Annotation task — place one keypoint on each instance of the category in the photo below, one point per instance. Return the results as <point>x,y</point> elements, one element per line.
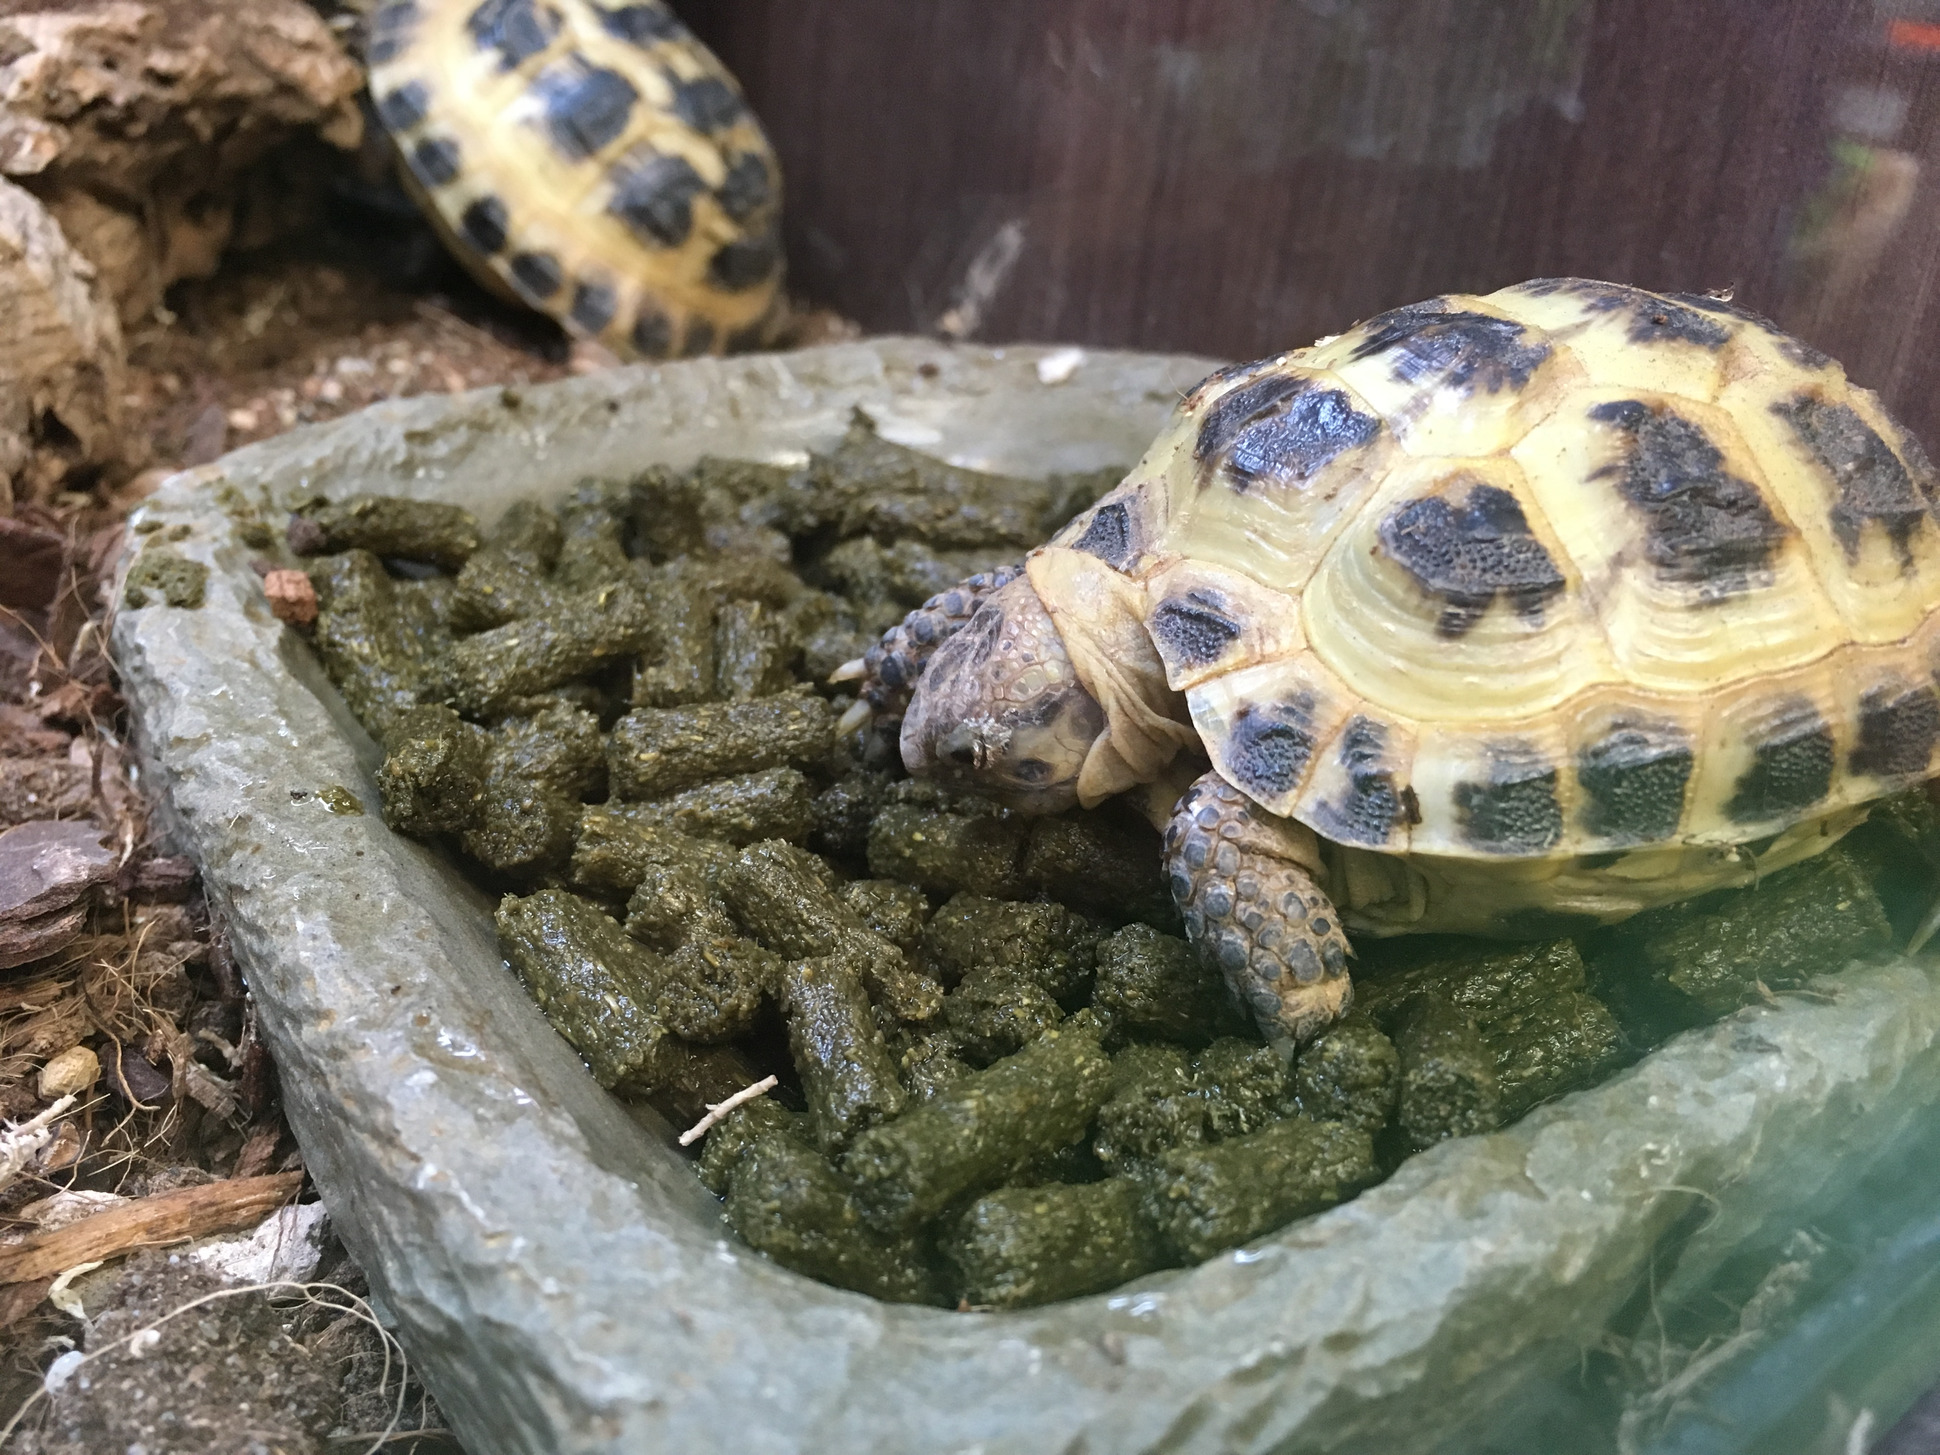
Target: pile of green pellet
<point>1004,1078</point>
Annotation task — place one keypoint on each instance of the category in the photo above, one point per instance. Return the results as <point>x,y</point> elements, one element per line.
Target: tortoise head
<point>999,708</point>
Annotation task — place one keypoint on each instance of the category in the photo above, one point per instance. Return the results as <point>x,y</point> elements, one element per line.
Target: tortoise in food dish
<point>591,158</point>
<point>1497,615</point>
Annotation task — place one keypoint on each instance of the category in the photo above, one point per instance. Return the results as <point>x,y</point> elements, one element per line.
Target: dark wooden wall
<point>1239,176</point>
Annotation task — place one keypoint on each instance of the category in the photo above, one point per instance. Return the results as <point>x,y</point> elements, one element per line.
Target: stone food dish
<point>558,1271</point>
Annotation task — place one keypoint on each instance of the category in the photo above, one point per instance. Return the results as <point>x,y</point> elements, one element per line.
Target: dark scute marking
<point>404,108</point>
<point>483,225</point>
<point>585,106</point>
<point>1791,765</point>
<point>593,306</point>
<point>1270,745</point>
<point>1802,353</point>
<point>1196,395</point>
<point>654,196</point>
<point>1873,485</point>
<point>1108,536</point>
<point>640,24</point>
<point>745,263</point>
<point>1706,527</point>
<point>1431,344</point>
<point>1236,409</point>
<point>435,160</point>
<point>1634,779</point>
<point>1898,726</point>
<point>1366,812</point>
<point>516,29</point>
<point>745,189</point>
<point>1514,810</point>
<point>1291,443</point>
<point>699,340</point>
<point>1471,552</point>
<point>653,333</point>
<point>1652,317</point>
<point>539,274</point>
<point>1915,455</point>
<point>1795,349</point>
<point>1192,630</point>
<point>708,104</point>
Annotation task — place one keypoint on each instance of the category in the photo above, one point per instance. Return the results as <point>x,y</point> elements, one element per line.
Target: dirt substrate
<point>124,984</point>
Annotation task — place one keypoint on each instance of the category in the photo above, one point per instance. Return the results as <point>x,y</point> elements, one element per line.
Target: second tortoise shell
<point>592,158</point>
<point>1567,569</point>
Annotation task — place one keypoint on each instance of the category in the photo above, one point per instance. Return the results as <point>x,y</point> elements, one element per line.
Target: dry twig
<point>718,1109</point>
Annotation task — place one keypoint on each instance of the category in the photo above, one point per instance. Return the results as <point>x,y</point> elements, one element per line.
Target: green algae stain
<point>160,573</point>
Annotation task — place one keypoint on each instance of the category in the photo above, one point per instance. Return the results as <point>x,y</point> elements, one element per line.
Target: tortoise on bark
<point>1499,615</point>
<point>592,159</point>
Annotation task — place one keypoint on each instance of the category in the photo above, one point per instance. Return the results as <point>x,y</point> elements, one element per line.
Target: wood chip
<point>24,941</point>
<point>47,866</point>
<point>174,1217</point>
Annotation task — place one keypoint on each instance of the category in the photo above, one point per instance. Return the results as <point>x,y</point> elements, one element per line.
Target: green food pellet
<point>1448,1078</point>
<point>848,1078</point>
<point>739,1130</point>
<point>945,852</point>
<point>385,525</point>
<point>777,803</point>
<point>973,1133</point>
<point>569,965</point>
<point>1351,1073</point>
<point>1217,1196</point>
<point>895,911</point>
<point>787,1202</point>
<point>656,751</point>
<point>1152,1107</point>
<point>1044,943</point>
<point>1157,984</point>
<point>339,799</point>
<point>432,780</point>
<point>578,634</point>
<point>613,852</point>
<point>1031,1245</point>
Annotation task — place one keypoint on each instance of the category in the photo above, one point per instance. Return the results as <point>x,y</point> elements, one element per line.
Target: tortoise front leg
<point>1243,880</point>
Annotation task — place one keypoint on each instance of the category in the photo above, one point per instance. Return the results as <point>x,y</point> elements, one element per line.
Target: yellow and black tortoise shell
<point>1566,569</point>
<point>595,159</point>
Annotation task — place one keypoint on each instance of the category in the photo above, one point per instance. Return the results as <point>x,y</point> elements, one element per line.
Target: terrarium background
<point>1236,177</point>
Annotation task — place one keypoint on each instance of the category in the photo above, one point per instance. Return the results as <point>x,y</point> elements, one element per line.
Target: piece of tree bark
<point>193,1212</point>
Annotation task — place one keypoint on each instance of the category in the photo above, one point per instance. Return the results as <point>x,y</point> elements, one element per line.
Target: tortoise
<point>1495,615</point>
<point>590,158</point>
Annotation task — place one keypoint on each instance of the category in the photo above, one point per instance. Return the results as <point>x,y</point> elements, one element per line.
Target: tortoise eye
<point>963,753</point>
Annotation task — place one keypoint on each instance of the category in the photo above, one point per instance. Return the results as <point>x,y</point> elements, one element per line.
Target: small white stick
<point>20,1144</point>
<point>717,1110</point>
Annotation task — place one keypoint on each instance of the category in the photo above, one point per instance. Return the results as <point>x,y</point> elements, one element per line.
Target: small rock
<point>286,1246</point>
<point>292,599</point>
<point>70,1073</point>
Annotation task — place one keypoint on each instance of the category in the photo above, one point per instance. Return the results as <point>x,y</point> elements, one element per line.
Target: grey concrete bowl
<point>557,1270</point>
